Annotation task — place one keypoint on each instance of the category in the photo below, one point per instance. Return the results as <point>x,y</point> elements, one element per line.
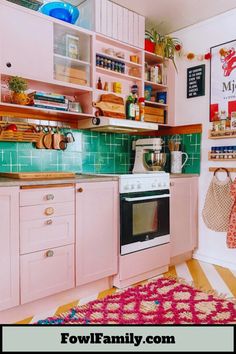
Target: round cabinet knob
<point>49,197</point>
<point>49,253</point>
<point>49,211</point>
<point>8,64</point>
<point>172,184</point>
<point>48,222</point>
<point>80,190</point>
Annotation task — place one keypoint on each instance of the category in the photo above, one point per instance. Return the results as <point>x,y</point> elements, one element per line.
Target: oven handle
<point>147,198</point>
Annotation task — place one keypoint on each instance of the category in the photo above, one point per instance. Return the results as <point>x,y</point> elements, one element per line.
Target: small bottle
<point>97,60</point>
<point>99,84</point>
<point>230,152</point>
<point>217,151</point>
<point>106,87</point>
<point>137,109</point>
<point>141,102</point>
<point>130,108</point>
<point>234,152</point>
<point>213,152</point>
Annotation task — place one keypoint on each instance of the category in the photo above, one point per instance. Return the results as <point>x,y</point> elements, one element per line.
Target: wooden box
<point>154,118</point>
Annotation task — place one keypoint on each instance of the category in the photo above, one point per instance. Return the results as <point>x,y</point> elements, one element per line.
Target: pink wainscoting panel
<point>9,247</point>
<point>37,235</point>
<point>43,274</point>
<point>97,231</point>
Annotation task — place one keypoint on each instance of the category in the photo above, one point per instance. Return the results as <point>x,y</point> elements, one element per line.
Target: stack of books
<point>50,101</point>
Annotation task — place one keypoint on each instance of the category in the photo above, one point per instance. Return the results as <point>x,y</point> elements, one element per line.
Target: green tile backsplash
<point>91,152</point>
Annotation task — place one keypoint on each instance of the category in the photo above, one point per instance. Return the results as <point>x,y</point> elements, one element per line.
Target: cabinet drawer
<point>42,211</point>
<point>37,235</point>
<point>47,196</point>
<point>46,273</point>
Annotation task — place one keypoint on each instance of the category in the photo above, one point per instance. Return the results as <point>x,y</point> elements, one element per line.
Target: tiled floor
<point>204,275</point>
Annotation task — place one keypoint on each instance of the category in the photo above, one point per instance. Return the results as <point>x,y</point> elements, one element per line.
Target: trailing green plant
<point>17,84</point>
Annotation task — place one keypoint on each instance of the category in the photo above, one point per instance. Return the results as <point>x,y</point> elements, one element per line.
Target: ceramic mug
<point>176,161</point>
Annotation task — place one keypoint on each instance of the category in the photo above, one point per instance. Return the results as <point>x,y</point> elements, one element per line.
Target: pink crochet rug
<point>164,301</point>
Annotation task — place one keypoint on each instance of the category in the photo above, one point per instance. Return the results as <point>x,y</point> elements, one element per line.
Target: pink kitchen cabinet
<point>183,215</point>
<point>46,272</point>
<point>96,231</point>
<point>9,248</point>
<point>26,43</point>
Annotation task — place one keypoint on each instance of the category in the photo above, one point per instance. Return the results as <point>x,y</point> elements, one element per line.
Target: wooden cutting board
<point>37,175</point>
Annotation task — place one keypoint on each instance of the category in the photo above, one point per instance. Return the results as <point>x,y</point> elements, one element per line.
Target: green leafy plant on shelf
<point>165,46</point>
<point>17,85</point>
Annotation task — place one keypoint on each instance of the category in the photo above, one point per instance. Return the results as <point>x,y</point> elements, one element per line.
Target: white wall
<point>198,39</point>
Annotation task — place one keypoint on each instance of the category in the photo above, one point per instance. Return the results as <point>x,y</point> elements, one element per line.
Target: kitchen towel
<point>231,235</point>
<point>218,205</point>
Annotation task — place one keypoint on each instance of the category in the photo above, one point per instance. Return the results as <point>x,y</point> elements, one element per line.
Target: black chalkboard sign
<point>196,81</point>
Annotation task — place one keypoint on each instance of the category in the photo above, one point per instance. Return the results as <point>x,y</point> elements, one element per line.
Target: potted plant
<point>17,85</point>
<point>150,41</point>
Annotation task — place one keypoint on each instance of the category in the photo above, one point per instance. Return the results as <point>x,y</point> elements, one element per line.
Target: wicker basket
<point>30,4</point>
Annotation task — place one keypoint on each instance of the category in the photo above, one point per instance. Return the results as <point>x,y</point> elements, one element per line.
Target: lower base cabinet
<point>183,215</point>
<point>46,273</point>
<point>96,231</point>
<point>9,247</point>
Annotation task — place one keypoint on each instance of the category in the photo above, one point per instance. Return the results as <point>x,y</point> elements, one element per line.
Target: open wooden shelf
<point>14,110</point>
<point>226,157</point>
<point>151,103</point>
<point>127,62</point>
<point>223,135</point>
<point>116,74</point>
<point>152,58</point>
<point>156,86</point>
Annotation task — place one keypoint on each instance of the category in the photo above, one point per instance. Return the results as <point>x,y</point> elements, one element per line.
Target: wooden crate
<point>154,118</point>
<point>154,111</point>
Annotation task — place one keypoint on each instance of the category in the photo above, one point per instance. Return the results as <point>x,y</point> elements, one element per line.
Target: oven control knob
<point>159,184</point>
<point>154,185</point>
<point>139,186</point>
<point>132,186</point>
<point>126,187</point>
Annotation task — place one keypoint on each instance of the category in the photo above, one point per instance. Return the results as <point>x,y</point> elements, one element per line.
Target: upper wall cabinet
<point>26,44</point>
<point>114,21</point>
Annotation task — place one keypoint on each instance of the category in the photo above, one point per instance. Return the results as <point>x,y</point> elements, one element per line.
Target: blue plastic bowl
<point>61,10</point>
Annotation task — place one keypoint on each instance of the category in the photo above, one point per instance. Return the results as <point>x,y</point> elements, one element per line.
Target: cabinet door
<point>96,231</point>
<point>9,248</point>
<point>26,44</point>
<point>183,215</point>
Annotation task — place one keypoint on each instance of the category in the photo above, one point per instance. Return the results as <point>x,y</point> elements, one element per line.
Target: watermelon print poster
<point>223,81</point>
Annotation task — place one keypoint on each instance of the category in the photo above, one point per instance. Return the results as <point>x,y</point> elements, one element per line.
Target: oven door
<point>145,220</point>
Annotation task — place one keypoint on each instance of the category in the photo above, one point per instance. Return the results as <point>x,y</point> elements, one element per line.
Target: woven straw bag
<point>218,204</point>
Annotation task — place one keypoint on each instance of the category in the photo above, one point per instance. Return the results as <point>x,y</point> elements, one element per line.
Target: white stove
<point>133,183</point>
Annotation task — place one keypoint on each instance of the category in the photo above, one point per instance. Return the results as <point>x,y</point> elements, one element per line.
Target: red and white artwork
<point>223,80</point>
